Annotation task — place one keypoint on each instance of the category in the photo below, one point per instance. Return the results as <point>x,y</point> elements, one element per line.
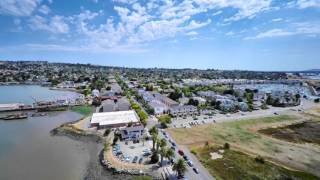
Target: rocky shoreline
<point>97,168</point>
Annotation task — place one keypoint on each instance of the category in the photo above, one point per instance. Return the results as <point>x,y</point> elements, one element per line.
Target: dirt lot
<point>243,136</point>
<point>305,132</point>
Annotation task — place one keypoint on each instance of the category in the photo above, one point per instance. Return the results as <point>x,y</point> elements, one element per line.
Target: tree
<point>170,153</point>
<point>164,120</point>
<point>149,88</point>
<point>162,143</point>
<point>162,153</point>
<point>180,167</point>
<point>153,130</point>
<point>115,140</point>
<point>154,157</point>
<point>86,92</point>
<point>193,102</point>
<point>175,95</point>
<point>154,140</point>
<point>158,142</point>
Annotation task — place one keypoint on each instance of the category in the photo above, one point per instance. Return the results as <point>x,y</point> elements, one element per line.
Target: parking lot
<point>130,152</point>
<point>188,121</point>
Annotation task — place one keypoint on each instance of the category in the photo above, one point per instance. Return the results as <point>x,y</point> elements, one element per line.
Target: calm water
<point>27,151</point>
<point>26,94</point>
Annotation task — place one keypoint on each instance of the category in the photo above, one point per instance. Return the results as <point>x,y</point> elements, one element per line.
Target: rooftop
<point>111,118</point>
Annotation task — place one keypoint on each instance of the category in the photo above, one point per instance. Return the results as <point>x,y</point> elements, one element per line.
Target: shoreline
<point>97,167</point>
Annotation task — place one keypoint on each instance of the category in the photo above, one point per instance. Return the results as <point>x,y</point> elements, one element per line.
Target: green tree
<point>154,157</point>
<point>154,140</point>
<point>153,130</point>
<point>170,153</point>
<point>180,167</point>
<point>163,152</point>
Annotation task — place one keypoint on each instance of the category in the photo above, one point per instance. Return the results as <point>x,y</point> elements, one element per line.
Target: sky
<point>268,35</point>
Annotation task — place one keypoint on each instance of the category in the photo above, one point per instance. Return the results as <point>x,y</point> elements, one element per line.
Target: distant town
<point>172,123</point>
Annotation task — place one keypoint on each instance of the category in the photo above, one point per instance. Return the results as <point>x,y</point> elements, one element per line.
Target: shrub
<point>259,159</point>
<point>193,152</point>
<point>107,132</point>
<point>154,157</point>
<point>115,140</point>
<point>226,146</point>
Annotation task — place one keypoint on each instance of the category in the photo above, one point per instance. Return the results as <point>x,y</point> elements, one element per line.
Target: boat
<point>15,116</point>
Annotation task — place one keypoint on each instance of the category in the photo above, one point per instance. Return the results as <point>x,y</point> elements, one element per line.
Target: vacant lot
<point>243,136</point>
<point>305,132</point>
<point>237,165</point>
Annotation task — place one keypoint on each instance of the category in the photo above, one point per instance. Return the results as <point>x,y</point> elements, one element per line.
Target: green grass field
<point>243,136</point>
<point>84,109</point>
<point>237,165</point>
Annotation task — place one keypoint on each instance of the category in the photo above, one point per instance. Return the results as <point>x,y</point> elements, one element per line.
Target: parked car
<point>185,157</point>
<point>173,148</point>
<point>135,159</point>
<point>196,170</point>
<point>172,161</point>
<point>173,144</point>
<point>180,177</point>
<point>189,162</point>
<point>140,160</point>
<point>181,152</point>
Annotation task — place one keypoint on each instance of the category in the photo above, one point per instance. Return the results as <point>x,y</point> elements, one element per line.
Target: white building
<point>114,119</point>
<point>95,93</point>
<point>133,132</point>
<point>183,110</point>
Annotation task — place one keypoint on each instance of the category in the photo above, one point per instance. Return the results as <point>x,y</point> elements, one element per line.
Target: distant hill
<point>313,70</point>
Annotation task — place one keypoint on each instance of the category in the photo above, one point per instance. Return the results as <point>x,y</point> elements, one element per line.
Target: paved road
<point>190,174</point>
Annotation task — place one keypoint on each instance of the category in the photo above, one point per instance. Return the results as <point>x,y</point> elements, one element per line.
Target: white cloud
<point>308,3</point>
<point>246,8</point>
<point>56,24</point>
<point>17,22</point>
<point>191,33</point>
<point>18,7</point>
<point>271,33</point>
<point>230,33</point>
<point>276,19</point>
<point>44,9</point>
<point>217,13</point>
<point>310,29</point>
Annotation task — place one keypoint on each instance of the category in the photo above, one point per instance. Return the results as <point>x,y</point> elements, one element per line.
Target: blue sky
<point>220,34</point>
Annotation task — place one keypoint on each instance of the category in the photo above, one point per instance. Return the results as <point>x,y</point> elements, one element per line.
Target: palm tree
<point>180,167</point>
<point>163,153</point>
<point>154,140</point>
<point>162,143</point>
<point>144,136</point>
<point>153,130</point>
<point>159,143</point>
<point>170,153</point>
